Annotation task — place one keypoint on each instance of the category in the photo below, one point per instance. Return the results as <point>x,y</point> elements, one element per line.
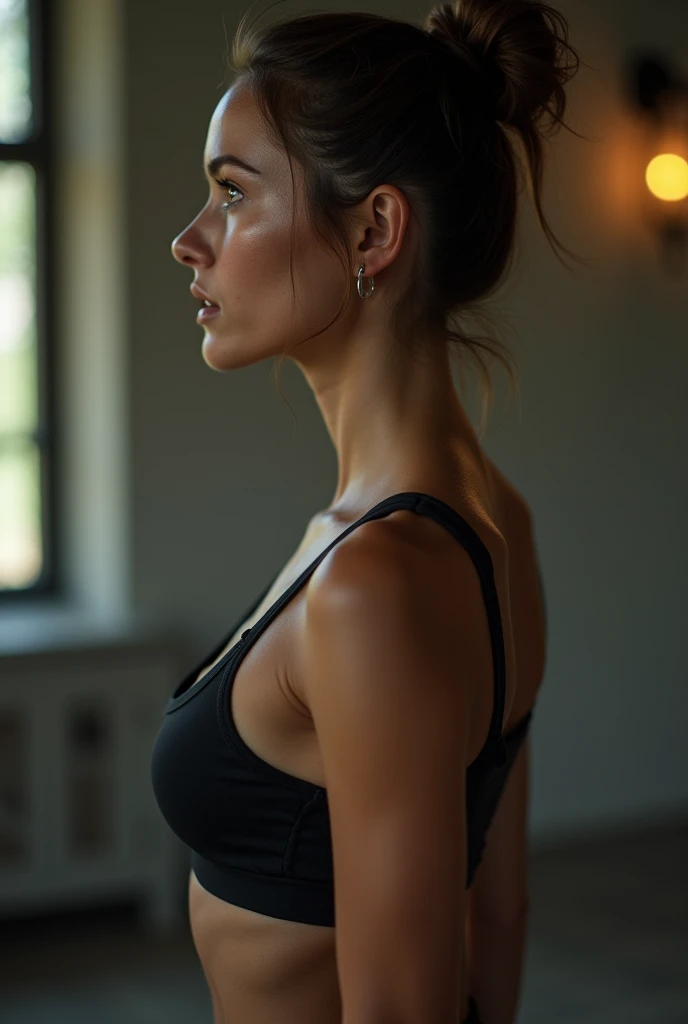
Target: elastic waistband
<point>289,898</point>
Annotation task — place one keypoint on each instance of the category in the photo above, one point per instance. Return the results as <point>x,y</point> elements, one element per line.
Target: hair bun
<point>450,25</point>
<point>514,47</point>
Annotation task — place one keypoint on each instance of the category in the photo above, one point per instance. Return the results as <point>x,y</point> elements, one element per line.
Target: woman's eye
<point>229,185</point>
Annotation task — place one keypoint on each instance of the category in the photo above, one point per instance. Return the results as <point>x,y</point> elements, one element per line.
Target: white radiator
<point>78,819</point>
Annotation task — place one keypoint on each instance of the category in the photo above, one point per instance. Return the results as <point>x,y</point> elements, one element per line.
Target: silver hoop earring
<point>360,279</point>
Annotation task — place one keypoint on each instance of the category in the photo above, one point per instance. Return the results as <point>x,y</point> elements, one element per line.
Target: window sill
<point>50,626</point>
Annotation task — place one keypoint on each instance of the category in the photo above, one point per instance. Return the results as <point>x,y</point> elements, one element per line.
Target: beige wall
<point>221,489</point>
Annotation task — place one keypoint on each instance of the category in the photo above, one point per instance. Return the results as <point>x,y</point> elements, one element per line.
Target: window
<point>27,341</point>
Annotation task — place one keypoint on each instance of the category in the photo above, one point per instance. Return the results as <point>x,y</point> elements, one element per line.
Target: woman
<point>335,762</point>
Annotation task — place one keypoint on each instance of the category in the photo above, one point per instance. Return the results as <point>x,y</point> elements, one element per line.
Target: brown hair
<point>359,99</point>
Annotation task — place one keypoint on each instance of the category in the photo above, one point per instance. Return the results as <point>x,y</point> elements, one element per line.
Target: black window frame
<point>38,151</point>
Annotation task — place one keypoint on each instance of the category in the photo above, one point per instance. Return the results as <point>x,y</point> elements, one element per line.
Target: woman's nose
<point>182,249</point>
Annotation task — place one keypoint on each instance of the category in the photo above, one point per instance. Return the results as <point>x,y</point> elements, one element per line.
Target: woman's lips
<point>206,313</point>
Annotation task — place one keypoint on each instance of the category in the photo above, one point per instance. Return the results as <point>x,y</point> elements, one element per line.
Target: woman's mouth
<point>206,313</point>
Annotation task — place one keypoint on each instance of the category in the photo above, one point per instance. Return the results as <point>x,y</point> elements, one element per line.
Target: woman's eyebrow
<point>217,162</point>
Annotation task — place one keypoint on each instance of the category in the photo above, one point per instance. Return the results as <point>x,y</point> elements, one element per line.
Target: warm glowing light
<point>667,177</point>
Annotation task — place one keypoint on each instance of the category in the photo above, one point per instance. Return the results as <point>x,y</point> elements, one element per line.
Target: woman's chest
<point>266,698</point>
<point>263,699</point>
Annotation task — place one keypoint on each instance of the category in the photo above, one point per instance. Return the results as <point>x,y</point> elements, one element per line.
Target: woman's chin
<point>220,355</point>
<point>215,354</point>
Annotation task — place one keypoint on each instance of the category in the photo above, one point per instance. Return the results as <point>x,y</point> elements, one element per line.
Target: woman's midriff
<point>263,969</point>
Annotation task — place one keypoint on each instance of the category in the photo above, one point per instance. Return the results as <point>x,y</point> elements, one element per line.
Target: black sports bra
<point>260,837</point>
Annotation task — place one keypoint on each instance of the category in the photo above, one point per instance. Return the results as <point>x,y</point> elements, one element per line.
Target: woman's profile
<point>349,765</point>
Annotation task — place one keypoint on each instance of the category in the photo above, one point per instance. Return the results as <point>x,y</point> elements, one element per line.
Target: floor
<point>608,944</point>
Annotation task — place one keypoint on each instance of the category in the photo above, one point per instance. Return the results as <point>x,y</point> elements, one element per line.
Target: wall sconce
<point>661,98</point>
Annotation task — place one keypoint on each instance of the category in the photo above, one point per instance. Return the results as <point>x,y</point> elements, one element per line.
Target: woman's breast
<point>261,969</point>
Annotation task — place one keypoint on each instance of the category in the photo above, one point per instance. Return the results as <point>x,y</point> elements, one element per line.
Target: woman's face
<point>238,246</point>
